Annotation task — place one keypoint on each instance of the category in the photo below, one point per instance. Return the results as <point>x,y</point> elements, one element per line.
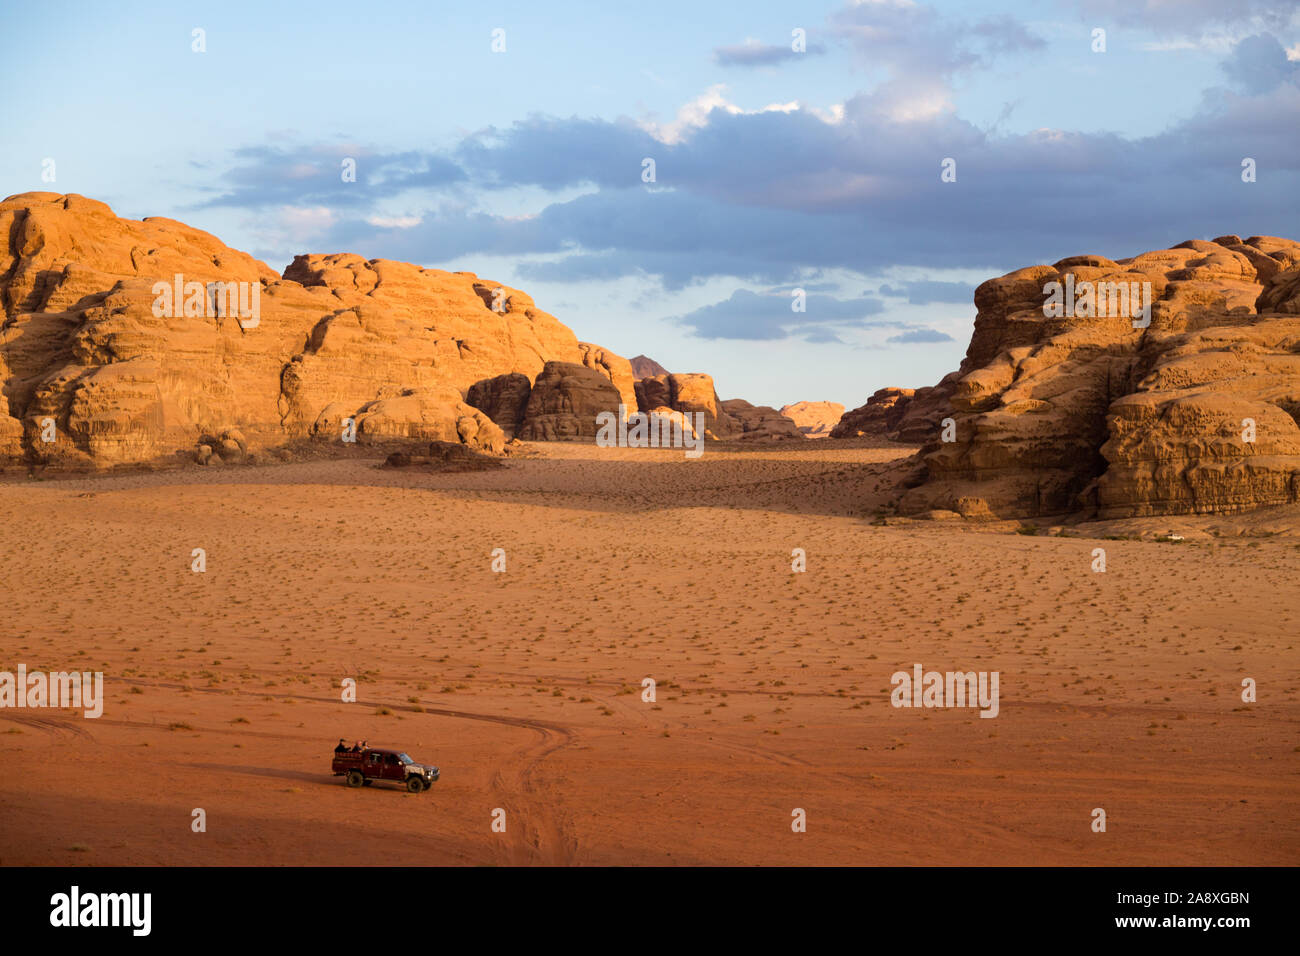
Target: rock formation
<point>662,414</point>
<point>814,419</point>
<point>105,358</point>
<point>879,417</point>
<point>565,400</point>
<point>759,422</point>
<point>734,419</point>
<point>1101,413</point>
<point>434,413</point>
<point>503,399</point>
<point>654,392</point>
<point>444,456</point>
<point>613,367</point>
<point>687,393</point>
<point>660,391</point>
<point>509,399</point>
<point>909,415</point>
<point>694,392</point>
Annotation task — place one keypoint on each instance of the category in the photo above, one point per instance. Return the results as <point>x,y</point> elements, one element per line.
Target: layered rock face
<point>613,367</point>
<point>688,393</point>
<point>879,417</point>
<point>503,398</point>
<point>1054,413</point>
<point>814,419</point>
<point>1213,427</point>
<point>565,401</point>
<point>654,392</point>
<point>759,422</point>
<point>92,357</point>
<point>435,413</point>
<point>909,415</point>
<point>694,392</point>
<point>732,420</point>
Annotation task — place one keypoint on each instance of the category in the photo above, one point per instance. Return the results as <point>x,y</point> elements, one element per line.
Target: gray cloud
<point>759,54</point>
<point>554,153</point>
<point>925,291</point>
<point>266,176</point>
<point>1187,16</point>
<point>1259,64</point>
<point>769,198</point>
<point>764,197</point>
<point>914,40</point>
<point>768,315</point>
<point>919,336</point>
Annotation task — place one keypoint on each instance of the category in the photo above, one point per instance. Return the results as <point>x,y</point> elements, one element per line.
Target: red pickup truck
<point>363,767</point>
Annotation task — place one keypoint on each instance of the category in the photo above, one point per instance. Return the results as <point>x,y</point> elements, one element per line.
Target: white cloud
<point>294,228</point>
<point>303,222</point>
<point>904,105</point>
<point>832,116</point>
<point>1216,41</point>
<point>1168,46</point>
<point>695,114</point>
<point>394,222</point>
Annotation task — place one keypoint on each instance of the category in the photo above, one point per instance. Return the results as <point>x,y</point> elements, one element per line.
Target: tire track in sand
<point>55,726</point>
<point>548,835</point>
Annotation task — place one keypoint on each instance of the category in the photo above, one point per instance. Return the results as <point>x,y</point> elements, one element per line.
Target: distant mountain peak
<point>645,367</point>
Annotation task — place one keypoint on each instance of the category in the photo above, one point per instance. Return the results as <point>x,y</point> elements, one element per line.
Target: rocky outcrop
<point>678,420</point>
<point>102,351</point>
<point>503,398</point>
<point>734,419</point>
<point>444,456</point>
<point>654,392</point>
<point>688,393</point>
<point>435,413</point>
<point>694,392</point>
<point>759,422</point>
<point>1095,410</point>
<point>565,400</point>
<point>1214,426</point>
<point>614,367</point>
<point>878,418</point>
<point>814,419</point>
<point>911,415</point>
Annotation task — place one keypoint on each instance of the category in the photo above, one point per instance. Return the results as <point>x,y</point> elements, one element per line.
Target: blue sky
<point>774,170</point>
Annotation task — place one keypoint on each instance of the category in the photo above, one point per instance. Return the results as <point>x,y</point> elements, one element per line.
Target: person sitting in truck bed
<point>342,748</point>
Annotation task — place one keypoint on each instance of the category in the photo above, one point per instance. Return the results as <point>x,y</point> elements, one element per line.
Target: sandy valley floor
<point>1118,690</point>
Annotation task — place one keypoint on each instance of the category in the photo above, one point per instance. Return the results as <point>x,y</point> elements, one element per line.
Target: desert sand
<point>1119,690</point>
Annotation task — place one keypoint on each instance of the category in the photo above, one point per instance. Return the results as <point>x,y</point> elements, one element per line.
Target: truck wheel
<point>355,778</point>
<point>414,784</point>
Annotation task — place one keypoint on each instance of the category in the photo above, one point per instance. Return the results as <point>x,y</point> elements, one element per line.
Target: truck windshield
<point>404,759</point>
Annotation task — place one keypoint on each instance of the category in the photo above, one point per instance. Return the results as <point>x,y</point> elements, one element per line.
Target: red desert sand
<point>1119,690</point>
